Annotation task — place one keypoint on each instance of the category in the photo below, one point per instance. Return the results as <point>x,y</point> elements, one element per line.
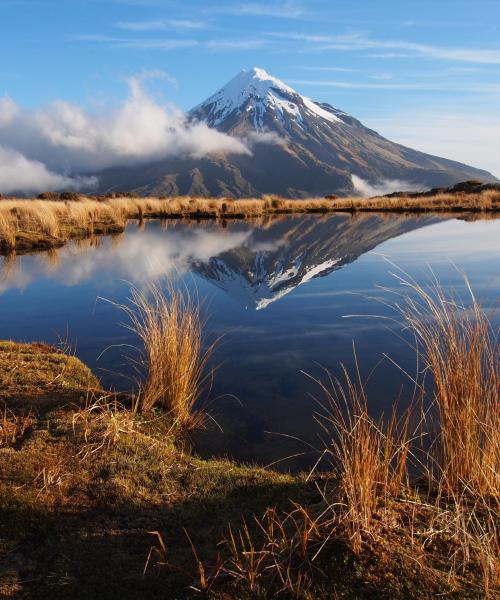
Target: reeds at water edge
<point>175,353</point>
<point>26,223</point>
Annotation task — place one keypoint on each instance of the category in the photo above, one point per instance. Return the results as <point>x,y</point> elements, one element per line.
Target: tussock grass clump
<point>31,224</point>
<point>175,356</point>
<point>282,554</point>
<point>368,457</point>
<point>270,556</point>
<point>466,526</point>
<point>462,358</point>
<point>7,233</point>
<point>460,351</point>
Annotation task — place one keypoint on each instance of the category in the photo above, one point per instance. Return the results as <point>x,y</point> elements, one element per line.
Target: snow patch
<point>265,302</point>
<point>320,112</point>
<point>316,270</point>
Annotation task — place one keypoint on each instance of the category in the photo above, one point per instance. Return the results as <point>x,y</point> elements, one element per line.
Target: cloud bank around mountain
<point>55,146</point>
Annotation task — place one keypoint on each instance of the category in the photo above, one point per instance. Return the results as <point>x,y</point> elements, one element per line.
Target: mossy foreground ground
<point>83,485</point>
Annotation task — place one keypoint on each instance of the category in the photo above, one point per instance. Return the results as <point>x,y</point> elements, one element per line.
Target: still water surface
<point>289,295</point>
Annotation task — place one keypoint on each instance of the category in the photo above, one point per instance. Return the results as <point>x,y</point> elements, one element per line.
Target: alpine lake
<point>292,299</point>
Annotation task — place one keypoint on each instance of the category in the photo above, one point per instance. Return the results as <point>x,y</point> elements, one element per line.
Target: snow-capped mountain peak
<point>256,82</point>
<point>258,96</point>
<point>298,147</point>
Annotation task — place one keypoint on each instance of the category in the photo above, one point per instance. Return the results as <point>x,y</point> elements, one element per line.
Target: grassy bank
<point>83,481</point>
<point>100,499</point>
<point>26,225</point>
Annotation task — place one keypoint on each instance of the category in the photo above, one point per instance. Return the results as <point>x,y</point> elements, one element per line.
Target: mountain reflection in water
<point>255,263</point>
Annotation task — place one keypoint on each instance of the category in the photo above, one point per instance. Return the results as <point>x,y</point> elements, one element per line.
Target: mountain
<point>286,253</point>
<point>299,148</point>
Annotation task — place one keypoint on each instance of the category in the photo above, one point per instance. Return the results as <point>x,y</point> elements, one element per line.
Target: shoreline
<point>28,225</point>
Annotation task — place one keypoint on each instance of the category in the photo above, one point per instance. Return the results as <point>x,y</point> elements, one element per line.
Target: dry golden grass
<point>460,350</point>
<point>470,525</point>
<point>462,358</point>
<point>7,230</point>
<point>14,426</point>
<point>27,224</point>
<point>175,356</point>
<point>282,553</point>
<point>368,457</point>
<point>271,556</point>
<point>101,421</point>
<point>484,201</point>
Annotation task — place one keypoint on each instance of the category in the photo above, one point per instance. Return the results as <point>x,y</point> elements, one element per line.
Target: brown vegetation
<point>88,478</point>
<point>444,534</point>
<point>91,474</point>
<point>33,373</point>
<point>170,327</point>
<point>461,352</point>
<point>368,457</point>
<point>29,224</point>
<point>13,426</point>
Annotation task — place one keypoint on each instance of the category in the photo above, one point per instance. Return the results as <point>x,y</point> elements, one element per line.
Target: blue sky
<point>426,73</point>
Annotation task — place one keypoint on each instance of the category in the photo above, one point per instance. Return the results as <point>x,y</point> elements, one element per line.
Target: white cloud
<point>161,44</point>
<point>332,69</point>
<point>157,74</point>
<point>488,57</point>
<point>389,55</point>
<point>138,43</point>
<point>264,137</point>
<point>382,76</point>
<point>382,187</point>
<point>18,174</point>
<point>225,44</point>
<point>8,110</point>
<point>62,138</point>
<point>173,44</point>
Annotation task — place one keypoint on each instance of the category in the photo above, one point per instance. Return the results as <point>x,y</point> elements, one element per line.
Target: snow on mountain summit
<point>258,82</point>
<point>256,94</point>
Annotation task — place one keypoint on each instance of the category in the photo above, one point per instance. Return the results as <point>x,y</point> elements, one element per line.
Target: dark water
<point>290,296</point>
